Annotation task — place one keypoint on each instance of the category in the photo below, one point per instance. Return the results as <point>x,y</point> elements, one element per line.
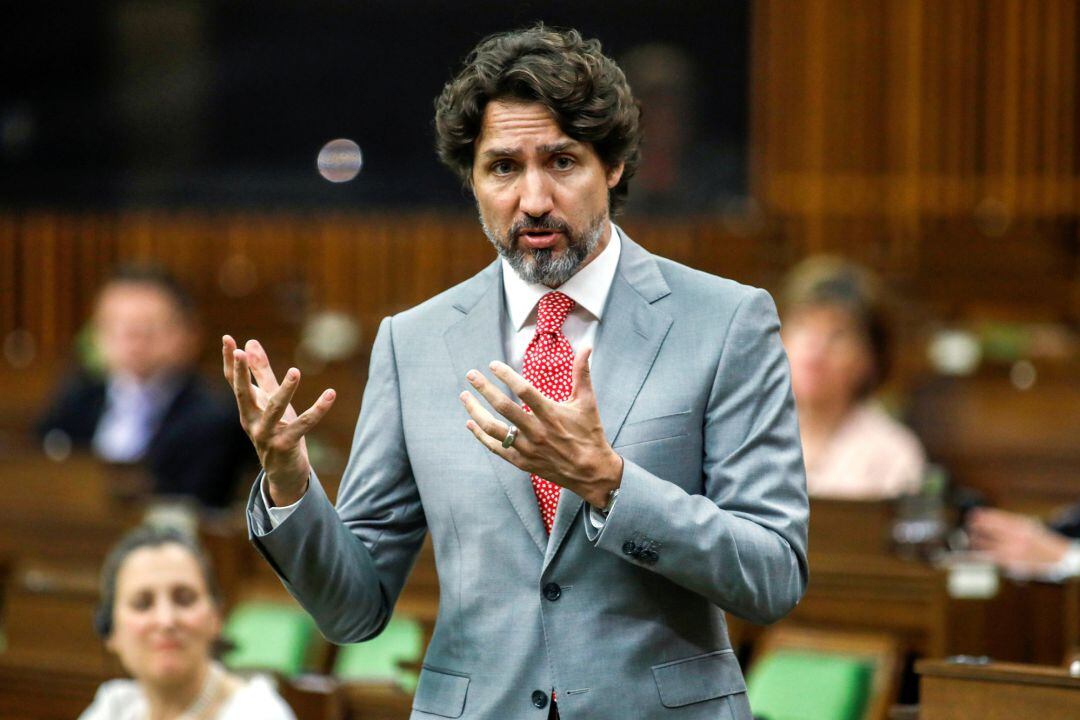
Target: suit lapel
<point>627,342</point>
<point>473,342</point>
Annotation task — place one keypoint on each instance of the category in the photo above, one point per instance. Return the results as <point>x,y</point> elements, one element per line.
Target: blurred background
<point>933,144</point>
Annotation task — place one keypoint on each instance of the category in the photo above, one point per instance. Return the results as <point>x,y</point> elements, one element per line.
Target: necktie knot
<point>552,312</point>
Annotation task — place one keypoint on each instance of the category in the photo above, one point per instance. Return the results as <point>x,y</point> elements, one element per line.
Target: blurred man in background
<point>138,398</point>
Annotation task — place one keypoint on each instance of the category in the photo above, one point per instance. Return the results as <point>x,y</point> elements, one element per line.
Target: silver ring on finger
<point>511,436</point>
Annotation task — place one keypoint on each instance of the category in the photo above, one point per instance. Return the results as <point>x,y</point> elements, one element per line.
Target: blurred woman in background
<point>837,342</point>
<point>160,613</point>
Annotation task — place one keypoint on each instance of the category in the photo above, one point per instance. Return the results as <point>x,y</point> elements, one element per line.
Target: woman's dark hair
<point>828,281</point>
<point>585,90</point>
<point>143,537</point>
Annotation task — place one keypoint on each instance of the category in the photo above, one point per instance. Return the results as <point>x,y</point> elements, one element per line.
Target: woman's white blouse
<point>124,700</point>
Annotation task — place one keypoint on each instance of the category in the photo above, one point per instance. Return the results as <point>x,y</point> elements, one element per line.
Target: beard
<point>547,266</point>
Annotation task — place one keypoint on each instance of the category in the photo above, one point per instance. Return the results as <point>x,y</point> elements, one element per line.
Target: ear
<point>614,175</point>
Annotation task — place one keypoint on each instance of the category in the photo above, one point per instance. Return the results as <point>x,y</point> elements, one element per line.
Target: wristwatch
<point>612,494</point>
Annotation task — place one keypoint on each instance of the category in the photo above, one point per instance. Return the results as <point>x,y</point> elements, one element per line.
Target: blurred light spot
<point>992,217</point>
<point>330,337</point>
<point>57,445</point>
<point>1023,375</point>
<point>340,160</point>
<point>954,352</point>
<point>238,276</point>
<point>20,348</point>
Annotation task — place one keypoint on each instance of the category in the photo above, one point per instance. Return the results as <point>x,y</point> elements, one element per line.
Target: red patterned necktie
<point>549,365</point>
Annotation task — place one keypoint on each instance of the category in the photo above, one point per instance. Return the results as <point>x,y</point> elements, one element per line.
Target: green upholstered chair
<point>379,660</point>
<point>803,673</point>
<point>799,685</point>
<point>269,636</point>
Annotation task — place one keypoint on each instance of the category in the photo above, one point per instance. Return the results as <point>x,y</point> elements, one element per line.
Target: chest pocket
<point>657,428</point>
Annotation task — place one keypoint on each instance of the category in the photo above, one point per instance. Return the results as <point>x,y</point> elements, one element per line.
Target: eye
<point>142,601</point>
<point>184,596</point>
<point>564,162</point>
<point>502,167</point>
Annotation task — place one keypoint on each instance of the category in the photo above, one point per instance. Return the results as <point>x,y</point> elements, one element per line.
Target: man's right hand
<point>269,419</point>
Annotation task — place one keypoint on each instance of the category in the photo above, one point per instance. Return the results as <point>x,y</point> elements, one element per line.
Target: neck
<point>170,702</point>
<point>818,421</point>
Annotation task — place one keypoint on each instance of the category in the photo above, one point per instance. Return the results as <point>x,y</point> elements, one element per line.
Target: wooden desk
<point>998,691</point>
<point>1028,622</point>
<point>46,685</point>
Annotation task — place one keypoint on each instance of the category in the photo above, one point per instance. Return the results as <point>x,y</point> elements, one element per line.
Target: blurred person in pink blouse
<point>836,338</point>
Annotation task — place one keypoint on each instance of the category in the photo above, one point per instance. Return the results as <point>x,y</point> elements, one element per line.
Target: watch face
<point>610,501</point>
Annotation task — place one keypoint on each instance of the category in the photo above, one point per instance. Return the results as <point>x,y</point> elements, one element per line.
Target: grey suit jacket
<point>694,393</point>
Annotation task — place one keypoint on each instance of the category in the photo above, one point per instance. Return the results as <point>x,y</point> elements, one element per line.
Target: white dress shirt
<point>588,288</point>
<point>133,413</point>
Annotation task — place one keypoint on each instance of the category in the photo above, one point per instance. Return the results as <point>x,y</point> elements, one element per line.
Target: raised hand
<point>1016,542</point>
<point>561,442</point>
<point>268,418</point>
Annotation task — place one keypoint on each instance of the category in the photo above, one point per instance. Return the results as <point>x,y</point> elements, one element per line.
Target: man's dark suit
<point>198,450</point>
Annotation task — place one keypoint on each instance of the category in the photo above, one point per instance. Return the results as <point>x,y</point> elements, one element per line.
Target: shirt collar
<point>588,287</point>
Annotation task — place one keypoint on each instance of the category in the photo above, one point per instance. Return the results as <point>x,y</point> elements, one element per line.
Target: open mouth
<point>539,239</point>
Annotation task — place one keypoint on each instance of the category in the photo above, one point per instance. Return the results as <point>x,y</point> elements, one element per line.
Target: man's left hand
<point>561,442</point>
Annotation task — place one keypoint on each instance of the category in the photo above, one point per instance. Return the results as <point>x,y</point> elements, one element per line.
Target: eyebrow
<point>549,149</point>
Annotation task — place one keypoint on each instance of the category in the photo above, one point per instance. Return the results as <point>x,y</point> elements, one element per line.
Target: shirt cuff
<point>277,515</point>
<point>595,519</point>
<point>1069,565</point>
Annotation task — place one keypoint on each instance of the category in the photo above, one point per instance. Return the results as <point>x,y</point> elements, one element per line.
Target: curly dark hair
<point>585,90</point>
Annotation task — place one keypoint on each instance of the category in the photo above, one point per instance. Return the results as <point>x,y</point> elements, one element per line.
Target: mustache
<point>543,223</point>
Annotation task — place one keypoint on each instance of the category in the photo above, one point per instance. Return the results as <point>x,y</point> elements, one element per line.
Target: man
<point>147,405</point>
<point>586,546</point>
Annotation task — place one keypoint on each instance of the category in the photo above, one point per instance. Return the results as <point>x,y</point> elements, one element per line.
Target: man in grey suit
<point>611,507</point>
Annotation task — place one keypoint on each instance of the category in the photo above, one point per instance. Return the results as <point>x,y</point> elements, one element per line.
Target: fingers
<point>582,374</point>
<point>310,417</point>
<point>480,415</point>
<point>510,454</point>
<point>521,387</point>
<point>228,347</point>
<point>503,404</point>
<point>260,366</point>
<point>989,522</point>
<point>243,389</point>
<point>279,401</point>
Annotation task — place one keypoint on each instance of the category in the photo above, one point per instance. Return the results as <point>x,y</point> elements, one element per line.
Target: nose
<point>165,614</point>
<point>536,199</point>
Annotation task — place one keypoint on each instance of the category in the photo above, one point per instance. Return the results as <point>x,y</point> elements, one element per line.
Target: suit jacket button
<point>650,556</point>
<point>552,592</point>
<point>630,548</point>
<point>539,699</point>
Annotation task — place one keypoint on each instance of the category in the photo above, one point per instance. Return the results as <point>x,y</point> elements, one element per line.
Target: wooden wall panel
<point>905,131</point>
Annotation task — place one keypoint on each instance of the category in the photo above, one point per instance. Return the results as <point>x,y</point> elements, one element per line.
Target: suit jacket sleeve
<point>347,566</point>
<point>742,543</point>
